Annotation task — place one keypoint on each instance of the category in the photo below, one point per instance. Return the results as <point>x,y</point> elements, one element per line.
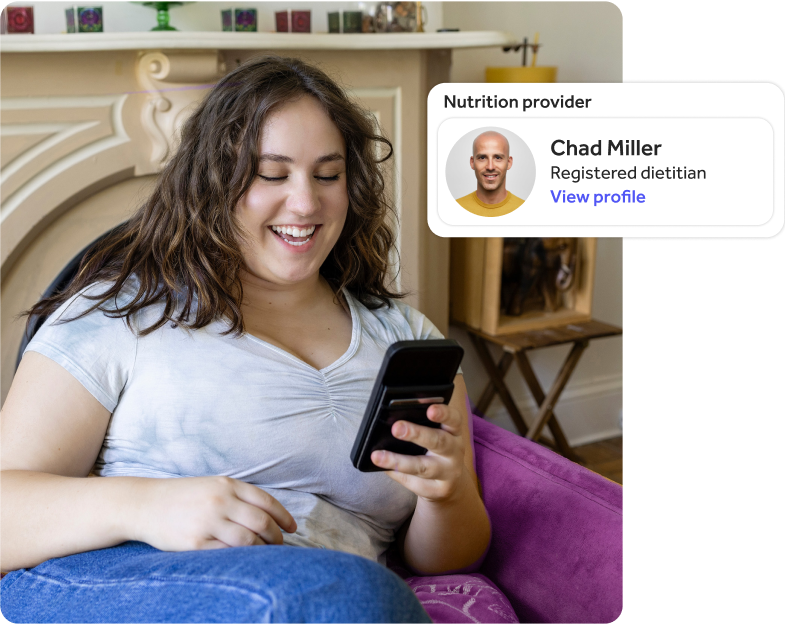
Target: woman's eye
<point>270,178</point>
<point>328,178</point>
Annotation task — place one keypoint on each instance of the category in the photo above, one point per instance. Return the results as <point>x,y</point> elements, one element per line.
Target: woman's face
<point>296,207</point>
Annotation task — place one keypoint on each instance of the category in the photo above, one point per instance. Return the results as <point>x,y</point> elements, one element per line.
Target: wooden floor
<point>616,460</point>
<point>610,457</point>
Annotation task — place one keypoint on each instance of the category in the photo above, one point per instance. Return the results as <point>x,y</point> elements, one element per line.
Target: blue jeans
<point>134,582</point>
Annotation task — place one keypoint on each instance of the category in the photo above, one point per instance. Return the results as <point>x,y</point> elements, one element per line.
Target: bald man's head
<point>490,160</point>
<point>493,136</point>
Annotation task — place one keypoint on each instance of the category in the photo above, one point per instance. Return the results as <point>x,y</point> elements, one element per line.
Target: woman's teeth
<point>294,233</point>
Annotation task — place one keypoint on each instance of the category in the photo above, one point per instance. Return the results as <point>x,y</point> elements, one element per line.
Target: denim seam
<point>5,584</point>
<point>171,579</point>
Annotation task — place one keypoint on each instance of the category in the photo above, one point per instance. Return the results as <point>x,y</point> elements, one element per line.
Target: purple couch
<point>556,550</point>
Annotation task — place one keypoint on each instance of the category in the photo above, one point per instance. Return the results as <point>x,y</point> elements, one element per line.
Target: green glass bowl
<point>163,13</point>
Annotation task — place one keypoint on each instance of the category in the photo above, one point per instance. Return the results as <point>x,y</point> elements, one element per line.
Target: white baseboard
<point>588,410</point>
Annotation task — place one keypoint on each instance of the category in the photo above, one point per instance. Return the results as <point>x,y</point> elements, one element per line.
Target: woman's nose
<point>303,199</point>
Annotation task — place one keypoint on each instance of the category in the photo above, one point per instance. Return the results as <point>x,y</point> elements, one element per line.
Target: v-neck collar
<point>353,344</point>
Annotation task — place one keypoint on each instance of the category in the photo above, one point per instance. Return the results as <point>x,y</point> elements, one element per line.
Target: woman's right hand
<point>198,513</point>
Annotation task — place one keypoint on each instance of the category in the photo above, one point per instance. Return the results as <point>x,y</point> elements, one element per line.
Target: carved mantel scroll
<point>174,82</point>
<point>55,150</point>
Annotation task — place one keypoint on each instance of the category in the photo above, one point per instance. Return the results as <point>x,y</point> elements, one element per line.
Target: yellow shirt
<point>475,206</point>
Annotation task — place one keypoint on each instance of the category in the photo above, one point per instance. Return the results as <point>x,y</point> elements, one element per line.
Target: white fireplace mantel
<point>87,42</point>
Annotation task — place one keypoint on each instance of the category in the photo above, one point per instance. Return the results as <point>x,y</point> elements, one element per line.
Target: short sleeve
<point>98,350</point>
<point>421,326</point>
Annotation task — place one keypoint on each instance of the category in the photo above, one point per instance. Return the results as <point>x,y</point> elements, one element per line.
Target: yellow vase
<point>520,74</point>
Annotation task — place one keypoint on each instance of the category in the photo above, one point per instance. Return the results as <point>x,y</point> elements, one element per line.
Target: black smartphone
<point>415,374</point>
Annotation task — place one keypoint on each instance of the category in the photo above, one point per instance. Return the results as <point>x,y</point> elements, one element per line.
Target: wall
<point>683,353</point>
<point>201,16</point>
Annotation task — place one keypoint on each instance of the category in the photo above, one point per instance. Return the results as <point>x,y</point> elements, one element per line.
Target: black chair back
<point>59,284</point>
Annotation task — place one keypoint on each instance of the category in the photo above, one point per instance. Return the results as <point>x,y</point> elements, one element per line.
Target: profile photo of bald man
<point>490,161</point>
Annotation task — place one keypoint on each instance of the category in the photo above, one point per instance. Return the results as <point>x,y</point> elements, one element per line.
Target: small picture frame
<point>245,20</point>
<point>227,25</point>
<point>352,21</point>
<point>84,20</point>
<point>239,20</point>
<point>301,21</point>
<point>70,20</point>
<point>90,19</point>
<point>20,20</point>
<point>282,21</point>
<point>334,22</point>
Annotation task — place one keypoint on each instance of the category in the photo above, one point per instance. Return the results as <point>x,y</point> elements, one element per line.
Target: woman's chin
<point>284,276</point>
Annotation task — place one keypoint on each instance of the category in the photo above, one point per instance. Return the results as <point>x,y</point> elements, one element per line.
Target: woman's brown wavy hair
<point>183,244</point>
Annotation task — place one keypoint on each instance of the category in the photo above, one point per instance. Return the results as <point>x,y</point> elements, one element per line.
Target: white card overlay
<point>613,159</point>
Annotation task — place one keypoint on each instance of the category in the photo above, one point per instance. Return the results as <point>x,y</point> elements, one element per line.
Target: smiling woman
<point>294,212</point>
<point>190,237</point>
<point>214,357</point>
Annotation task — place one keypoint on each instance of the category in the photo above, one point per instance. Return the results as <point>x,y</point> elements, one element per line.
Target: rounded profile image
<point>490,171</point>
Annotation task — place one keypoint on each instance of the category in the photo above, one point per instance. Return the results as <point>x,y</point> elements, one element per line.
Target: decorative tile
<point>245,20</point>
<point>334,22</point>
<point>20,19</point>
<point>301,21</point>
<point>70,20</point>
<point>352,21</point>
<point>226,20</point>
<point>282,21</point>
<point>90,19</point>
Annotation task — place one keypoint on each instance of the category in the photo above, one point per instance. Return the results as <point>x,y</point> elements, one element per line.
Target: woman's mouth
<point>294,235</point>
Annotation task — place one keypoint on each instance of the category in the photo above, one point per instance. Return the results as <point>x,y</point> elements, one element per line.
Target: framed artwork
<point>20,19</point>
<point>226,20</point>
<point>301,21</point>
<point>245,20</point>
<point>90,19</point>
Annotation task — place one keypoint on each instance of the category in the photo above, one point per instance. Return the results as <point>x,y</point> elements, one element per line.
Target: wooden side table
<point>515,347</point>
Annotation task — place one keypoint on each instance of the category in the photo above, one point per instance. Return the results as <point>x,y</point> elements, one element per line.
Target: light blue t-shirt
<point>199,403</point>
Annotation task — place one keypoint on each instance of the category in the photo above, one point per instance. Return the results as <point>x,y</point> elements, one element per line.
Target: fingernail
<point>400,430</point>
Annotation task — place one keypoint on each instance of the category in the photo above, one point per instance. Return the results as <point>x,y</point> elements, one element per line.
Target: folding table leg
<point>546,409</point>
<point>498,383</point>
<point>562,445</point>
<point>490,390</point>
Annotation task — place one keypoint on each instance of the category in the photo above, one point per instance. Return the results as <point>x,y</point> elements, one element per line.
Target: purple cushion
<point>556,551</point>
<point>462,598</point>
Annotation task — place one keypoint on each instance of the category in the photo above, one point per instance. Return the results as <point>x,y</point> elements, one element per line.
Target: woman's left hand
<point>440,474</point>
